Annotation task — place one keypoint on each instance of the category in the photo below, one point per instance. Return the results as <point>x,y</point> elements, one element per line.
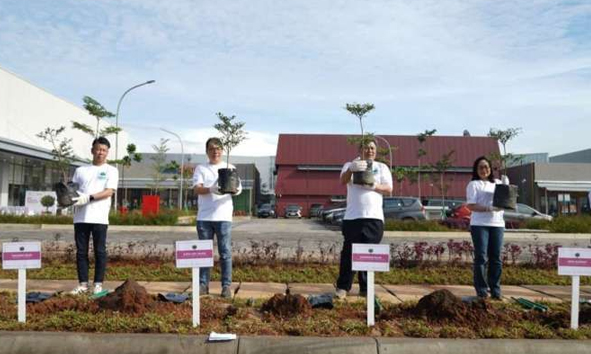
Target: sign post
<point>574,262</point>
<point>194,254</point>
<point>370,258</point>
<point>21,256</point>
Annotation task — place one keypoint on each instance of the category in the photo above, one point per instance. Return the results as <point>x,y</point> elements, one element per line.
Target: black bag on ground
<point>505,196</point>
<point>65,193</point>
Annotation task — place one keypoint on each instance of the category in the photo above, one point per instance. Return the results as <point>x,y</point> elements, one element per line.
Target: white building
<point>25,111</point>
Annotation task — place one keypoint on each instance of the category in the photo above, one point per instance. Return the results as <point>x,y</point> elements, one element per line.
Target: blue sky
<point>290,66</point>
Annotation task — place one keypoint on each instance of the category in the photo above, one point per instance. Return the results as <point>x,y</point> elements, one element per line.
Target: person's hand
<point>370,187</point>
<point>358,166</point>
<point>82,199</point>
<point>215,189</point>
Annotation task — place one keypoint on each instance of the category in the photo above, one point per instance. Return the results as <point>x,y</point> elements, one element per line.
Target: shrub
<point>537,224</point>
<point>163,218</point>
<point>571,224</point>
<point>36,219</point>
<point>407,225</point>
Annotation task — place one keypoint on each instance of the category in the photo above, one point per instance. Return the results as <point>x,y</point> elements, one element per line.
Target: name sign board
<point>194,254</point>
<point>371,257</point>
<point>21,255</point>
<point>574,261</point>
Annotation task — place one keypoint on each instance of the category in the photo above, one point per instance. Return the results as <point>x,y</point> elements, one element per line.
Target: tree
<point>126,161</point>
<point>359,111</point>
<point>232,133</point>
<point>503,137</point>
<point>443,165</point>
<point>159,165</point>
<point>62,151</point>
<point>422,138</point>
<point>95,109</point>
<point>47,201</point>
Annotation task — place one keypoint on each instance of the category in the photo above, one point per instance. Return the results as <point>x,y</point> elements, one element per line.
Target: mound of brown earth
<point>287,305</point>
<point>130,298</point>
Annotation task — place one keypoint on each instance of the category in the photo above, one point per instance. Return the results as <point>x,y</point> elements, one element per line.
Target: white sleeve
<point>386,176</point>
<point>76,177</point>
<point>197,176</point>
<point>113,179</point>
<point>471,192</point>
<point>345,168</point>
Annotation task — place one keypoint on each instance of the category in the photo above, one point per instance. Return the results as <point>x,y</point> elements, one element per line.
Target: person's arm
<point>471,204</point>
<point>346,174</point>
<point>106,193</point>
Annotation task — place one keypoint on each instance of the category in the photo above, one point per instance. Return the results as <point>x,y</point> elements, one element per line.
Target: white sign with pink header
<point>194,254</point>
<point>371,258</point>
<point>574,262</point>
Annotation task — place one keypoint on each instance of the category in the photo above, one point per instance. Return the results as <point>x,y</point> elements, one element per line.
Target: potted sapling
<point>359,111</point>
<point>62,159</point>
<point>232,134</point>
<point>505,196</point>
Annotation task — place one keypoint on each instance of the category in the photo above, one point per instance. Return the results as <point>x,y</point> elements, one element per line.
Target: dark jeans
<point>357,231</point>
<point>223,230</point>
<point>82,232</point>
<point>488,242</point>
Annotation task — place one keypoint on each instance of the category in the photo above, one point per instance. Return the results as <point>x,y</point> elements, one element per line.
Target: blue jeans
<point>488,241</point>
<point>82,233</point>
<point>223,231</point>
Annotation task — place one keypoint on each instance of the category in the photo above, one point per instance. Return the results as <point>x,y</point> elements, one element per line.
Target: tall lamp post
<point>117,125</point>
<point>389,150</point>
<point>182,166</point>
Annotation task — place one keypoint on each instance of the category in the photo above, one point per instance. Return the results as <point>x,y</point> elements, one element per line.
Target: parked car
<point>403,208</point>
<point>293,211</point>
<point>337,216</point>
<point>437,208</point>
<point>460,216</point>
<point>326,213</point>
<point>315,210</point>
<point>266,211</point>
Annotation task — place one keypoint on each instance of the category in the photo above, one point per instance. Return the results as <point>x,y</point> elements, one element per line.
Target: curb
<point>66,343</point>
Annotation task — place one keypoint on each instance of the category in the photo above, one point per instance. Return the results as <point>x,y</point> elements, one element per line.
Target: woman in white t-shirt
<point>487,228</point>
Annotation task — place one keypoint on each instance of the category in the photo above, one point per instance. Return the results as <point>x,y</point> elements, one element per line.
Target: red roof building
<point>308,166</point>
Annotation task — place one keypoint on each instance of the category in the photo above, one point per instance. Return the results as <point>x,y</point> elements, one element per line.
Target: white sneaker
<point>340,294</point>
<point>98,287</point>
<point>80,289</point>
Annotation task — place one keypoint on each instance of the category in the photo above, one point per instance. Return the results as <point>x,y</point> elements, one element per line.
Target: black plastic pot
<point>228,181</point>
<point>65,192</point>
<point>364,177</point>
<point>505,196</point>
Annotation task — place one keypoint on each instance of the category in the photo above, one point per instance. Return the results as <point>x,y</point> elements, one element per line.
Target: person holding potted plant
<point>364,217</point>
<point>214,213</point>
<point>97,183</point>
<point>487,228</point>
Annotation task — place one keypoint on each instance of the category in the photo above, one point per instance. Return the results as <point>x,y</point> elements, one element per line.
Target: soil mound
<point>287,305</point>
<point>129,298</point>
<point>58,304</point>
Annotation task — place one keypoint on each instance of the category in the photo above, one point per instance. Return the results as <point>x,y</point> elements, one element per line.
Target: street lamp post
<point>117,125</point>
<point>182,166</point>
<point>389,150</point>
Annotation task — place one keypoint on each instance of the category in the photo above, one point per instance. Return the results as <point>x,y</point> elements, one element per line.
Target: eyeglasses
<point>484,167</point>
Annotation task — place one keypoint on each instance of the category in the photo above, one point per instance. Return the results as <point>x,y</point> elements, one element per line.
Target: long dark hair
<point>475,176</point>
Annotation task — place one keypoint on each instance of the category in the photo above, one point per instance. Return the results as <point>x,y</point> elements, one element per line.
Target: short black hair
<point>368,141</point>
<point>214,140</point>
<point>475,176</point>
<point>102,141</point>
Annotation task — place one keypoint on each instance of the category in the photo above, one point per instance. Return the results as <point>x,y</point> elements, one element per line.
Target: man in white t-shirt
<point>97,183</point>
<point>214,214</point>
<point>364,216</point>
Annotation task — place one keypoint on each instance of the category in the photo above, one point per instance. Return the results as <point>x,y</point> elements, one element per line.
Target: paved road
<point>309,236</point>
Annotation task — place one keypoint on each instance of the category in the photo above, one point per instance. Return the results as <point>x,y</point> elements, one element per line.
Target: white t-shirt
<point>482,192</point>
<point>212,207</point>
<point>94,179</point>
<point>364,203</point>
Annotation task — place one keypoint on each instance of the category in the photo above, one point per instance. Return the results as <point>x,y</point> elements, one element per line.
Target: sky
<point>291,66</point>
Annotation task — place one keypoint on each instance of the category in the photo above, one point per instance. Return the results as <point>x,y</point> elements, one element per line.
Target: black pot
<point>364,177</point>
<point>228,180</point>
<point>505,196</point>
<point>65,192</point>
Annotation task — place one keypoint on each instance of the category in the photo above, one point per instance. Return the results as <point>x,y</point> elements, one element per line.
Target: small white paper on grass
<point>220,337</point>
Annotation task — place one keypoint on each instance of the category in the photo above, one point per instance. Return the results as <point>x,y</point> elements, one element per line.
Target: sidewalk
<point>388,293</point>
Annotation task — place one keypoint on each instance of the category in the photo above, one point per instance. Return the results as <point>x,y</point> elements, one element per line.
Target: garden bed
<point>437,315</point>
